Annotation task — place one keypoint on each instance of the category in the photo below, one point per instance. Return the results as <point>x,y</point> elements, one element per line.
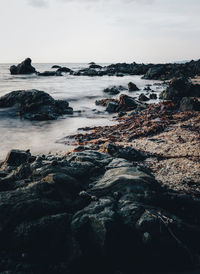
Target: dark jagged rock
<point>143,97</point>
<point>132,87</point>
<point>179,88</point>
<point>64,69</point>
<point>188,103</point>
<point>153,96</point>
<point>169,71</point>
<point>71,212</point>
<point>94,66</point>
<point>128,153</point>
<point>114,90</point>
<point>150,71</point>
<point>125,103</point>
<point>154,72</point>
<point>35,104</point>
<point>17,157</point>
<point>50,73</point>
<point>112,107</point>
<point>23,68</point>
<point>56,67</point>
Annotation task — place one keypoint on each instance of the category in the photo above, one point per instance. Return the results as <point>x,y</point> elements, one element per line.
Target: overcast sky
<point>99,30</point>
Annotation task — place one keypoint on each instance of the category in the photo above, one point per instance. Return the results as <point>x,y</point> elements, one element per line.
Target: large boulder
<point>188,103</point>
<point>180,88</point>
<point>23,68</point>
<point>132,87</point>
<point>35,104</point>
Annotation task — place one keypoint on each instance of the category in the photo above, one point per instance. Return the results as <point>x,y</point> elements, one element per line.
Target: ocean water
<point>80,91</point>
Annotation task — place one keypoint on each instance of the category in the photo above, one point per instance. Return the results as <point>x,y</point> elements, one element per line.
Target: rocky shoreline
<point>148,71</point>
<point>126,200</point>
<point>93,211</point>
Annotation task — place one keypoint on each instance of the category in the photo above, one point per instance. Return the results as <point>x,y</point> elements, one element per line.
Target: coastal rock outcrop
<point>23,68</point>
<point>182,90</point>
<point>35,104</point>
<point>71,212</point>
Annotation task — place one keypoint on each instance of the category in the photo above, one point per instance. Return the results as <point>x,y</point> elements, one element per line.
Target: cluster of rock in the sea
<point>35,105</point>
<point>92,212</point>
<point>150,71</point>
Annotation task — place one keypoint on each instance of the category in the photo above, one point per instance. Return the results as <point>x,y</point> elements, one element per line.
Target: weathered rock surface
<point>180,92</point>
<point>23,68</point>
<point>114,90</point>
<point>150,71</point>
<point>64,69</point>
<point>35,105</point>
<point>143,97</point>
<point>124,103</point>
<point>188,103</point>
<point>132,87</point>
<point>72,212</point>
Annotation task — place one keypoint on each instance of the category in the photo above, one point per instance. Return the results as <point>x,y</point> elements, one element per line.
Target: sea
<point>80,91</point>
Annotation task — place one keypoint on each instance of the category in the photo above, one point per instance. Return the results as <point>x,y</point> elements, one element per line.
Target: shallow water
<point>80,91</point>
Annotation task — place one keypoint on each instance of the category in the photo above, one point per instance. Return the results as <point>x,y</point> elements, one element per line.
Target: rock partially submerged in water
<point>50,73</point>
<point>35,104</point>
<point>23,68</point>
<point>64,69</point>
<point>132,87</point>
<point>114,90</point>
<point>56,67</point>
<point>68,213</point>
<point>124,103</point>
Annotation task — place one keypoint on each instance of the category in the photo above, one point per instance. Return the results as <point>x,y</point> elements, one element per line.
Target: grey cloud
<point>38,3</point>
<point>45,3</point>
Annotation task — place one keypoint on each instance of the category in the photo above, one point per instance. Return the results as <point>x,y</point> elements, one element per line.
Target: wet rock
<point>127,102</point>
<point>69,183</point>
<point>93,227</point>
<point>132,87</point>
<point>178,88</point>
<point>17,157</point>
<point>23,68</point>
<point>154,72</point>
<point>177,92</point>
<point>114,90</point>
<point>143,97</point>
<point>153,96</point>
<point>36,235</point>
<point>35,105</point>
<point>94,66</point>
<point>50,73</point>
<point>125,152</point>
<point>92,207</point>
<point>112,107</point>
<point>64,69</point>
<point>123,180</point>
<point>188,103</point>
<point>56,67</point>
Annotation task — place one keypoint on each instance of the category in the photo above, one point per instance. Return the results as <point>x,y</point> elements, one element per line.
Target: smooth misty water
<point>80,91</point>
